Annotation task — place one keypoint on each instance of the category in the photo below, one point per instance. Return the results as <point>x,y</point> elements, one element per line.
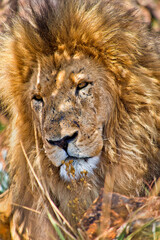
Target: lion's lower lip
<point>73,159</point>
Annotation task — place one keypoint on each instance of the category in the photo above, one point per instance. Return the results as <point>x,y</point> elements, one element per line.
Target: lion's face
<point>69,106</point>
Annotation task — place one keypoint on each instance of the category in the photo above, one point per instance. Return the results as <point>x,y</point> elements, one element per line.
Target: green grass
<point>149,231</point>
<point>4,180</point>
<point>2,127</point>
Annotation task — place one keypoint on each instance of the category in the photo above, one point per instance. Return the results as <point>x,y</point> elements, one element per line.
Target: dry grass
<point>150,230</point>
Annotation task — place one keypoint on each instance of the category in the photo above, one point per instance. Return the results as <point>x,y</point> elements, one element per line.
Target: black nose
<point>63,143</point>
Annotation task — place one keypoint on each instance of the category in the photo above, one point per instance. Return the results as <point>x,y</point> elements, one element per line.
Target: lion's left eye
<point>82,85</point>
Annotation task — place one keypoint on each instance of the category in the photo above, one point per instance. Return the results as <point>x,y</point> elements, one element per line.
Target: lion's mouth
<point>76,168</point>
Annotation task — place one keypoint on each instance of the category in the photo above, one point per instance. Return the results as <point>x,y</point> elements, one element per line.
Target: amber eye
<point>37,98</point>
<point>82,85</point>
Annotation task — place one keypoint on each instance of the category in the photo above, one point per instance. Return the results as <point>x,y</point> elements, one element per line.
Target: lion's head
<point>82,84</point>
<point>68,105</point>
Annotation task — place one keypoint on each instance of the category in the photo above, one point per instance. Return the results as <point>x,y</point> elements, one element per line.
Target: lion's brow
<point>75,77</point>
<point>60,78</point>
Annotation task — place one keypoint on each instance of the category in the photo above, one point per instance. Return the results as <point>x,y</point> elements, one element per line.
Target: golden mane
<point>113,37</point>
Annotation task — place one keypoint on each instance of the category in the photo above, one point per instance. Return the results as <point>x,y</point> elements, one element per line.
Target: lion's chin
<point>78,168</point>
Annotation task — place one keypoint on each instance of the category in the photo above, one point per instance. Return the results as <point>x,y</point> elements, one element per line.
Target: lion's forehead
<point>61,83</point>
<point>74,69</point>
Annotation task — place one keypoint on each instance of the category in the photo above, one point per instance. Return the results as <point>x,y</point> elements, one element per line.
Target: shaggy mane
<point>112,36</point>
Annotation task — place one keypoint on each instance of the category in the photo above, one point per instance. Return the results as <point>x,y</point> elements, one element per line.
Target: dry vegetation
<point>111,216</point>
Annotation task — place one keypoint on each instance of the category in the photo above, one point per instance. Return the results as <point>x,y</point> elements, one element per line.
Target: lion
<point>81,82</point>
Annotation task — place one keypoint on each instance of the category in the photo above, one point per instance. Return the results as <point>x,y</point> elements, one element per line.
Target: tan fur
<point>116,117</point>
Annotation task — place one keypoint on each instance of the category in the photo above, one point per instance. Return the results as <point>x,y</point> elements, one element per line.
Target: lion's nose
<point>63,143</point>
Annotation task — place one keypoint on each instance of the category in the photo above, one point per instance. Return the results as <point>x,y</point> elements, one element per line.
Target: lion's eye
<point>82,85</point>
<point>38,99</point>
